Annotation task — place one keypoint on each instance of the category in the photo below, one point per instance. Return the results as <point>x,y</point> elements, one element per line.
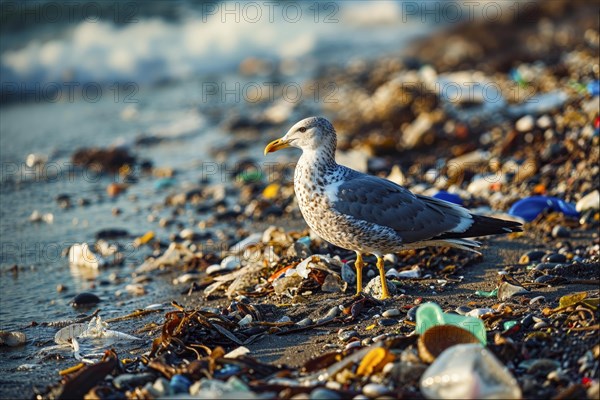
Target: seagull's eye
<point>302,129</point>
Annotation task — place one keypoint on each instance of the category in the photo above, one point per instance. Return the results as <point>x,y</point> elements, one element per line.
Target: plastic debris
<point>506,325</point>
<point>530,207</point>
<point>176,255</point>
<point>593,88</point>
<point>37,216</point>
<point>145,238</point>
<point>271,191</point>
<point>430,315</point>
<point>180,384</point>
<point>468,371</point>
<point>450,197</point>
<point>484,293</point>
<point>590,201</point>
<point>92,337</point>
<point>81,255</point>
<point>440,337</point>
<point>12,339</point>
<point>506,290</point>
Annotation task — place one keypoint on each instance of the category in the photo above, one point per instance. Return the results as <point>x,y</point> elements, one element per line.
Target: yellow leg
<point>358,264</point>
<point>385,294</point>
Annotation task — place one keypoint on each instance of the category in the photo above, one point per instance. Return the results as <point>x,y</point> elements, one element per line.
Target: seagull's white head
<point>310,134</point>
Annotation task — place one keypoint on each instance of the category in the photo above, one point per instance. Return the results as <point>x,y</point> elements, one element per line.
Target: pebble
<point>324,394</point>
<point>300,396</point>
<point>305,322</point>
<point>187,234</point>
<point>560,231</point>
<point>557,376</point>
<point>463,310</point>
<point>544,121</point>
<point>125,381</point>
<point>374,390</point>
<point>380,338</point>
<point>540,325</point>
<point>544,279</point>
<point>353,344</point>
<point>348,274</point>
<point>546,266</point>
<point>387,322</point>
<point>534,366</point>
<point>161,387</point>
<point>245,321</point>
<point>180,384</point>
<point>532,256</point>
<point>185,278</point>
<point>412,314</point>
<point>63,201</point>
<point>332,313</point>
<point>554,258</point>
<point>525,124</point>
<point>392,312</point>
<point>136,289</point>
<point>84,299</point>
<point>347,335</point>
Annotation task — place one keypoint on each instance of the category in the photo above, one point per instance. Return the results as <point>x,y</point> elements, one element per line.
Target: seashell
<point>438,338</point>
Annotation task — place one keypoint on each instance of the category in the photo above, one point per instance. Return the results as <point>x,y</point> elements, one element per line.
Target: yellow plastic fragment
<point>145,238</point>
<point>374,361</point>
<point>271,191</point>
<point>371,327</point>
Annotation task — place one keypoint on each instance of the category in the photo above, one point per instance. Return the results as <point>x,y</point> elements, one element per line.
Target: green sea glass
<point>430,314</point>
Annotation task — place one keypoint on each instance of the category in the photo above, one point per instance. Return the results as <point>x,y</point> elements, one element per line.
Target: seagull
<point>372,215</point>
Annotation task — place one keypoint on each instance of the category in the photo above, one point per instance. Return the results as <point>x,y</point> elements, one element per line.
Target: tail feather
<point>484,226</point>
<point>463,244</point>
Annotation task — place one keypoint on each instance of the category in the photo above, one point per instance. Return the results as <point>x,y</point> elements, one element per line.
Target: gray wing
<point>413,217</point>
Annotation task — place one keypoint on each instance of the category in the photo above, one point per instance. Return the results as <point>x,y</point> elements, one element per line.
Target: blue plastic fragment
<point>305,240</point>
<point>593,88</point>
<point>180,384</point>
<point>530,207</point>
<point>450,197</point>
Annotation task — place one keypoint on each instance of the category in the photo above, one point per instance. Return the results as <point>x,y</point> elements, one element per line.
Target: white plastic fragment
<point>82,256</point>
<point>12,339</point>
<point>468,371</point>
<point>237,352</point>
<point>590,201</point>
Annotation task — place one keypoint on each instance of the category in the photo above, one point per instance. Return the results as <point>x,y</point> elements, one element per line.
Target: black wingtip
<point>485,226</point>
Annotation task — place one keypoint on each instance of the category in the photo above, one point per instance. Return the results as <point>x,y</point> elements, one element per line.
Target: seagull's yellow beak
<point>276,145</point>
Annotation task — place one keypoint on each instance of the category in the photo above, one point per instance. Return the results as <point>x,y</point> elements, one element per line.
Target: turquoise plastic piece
<point>484,293</point>
<point>508,324</point>
<point>430,315</point>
